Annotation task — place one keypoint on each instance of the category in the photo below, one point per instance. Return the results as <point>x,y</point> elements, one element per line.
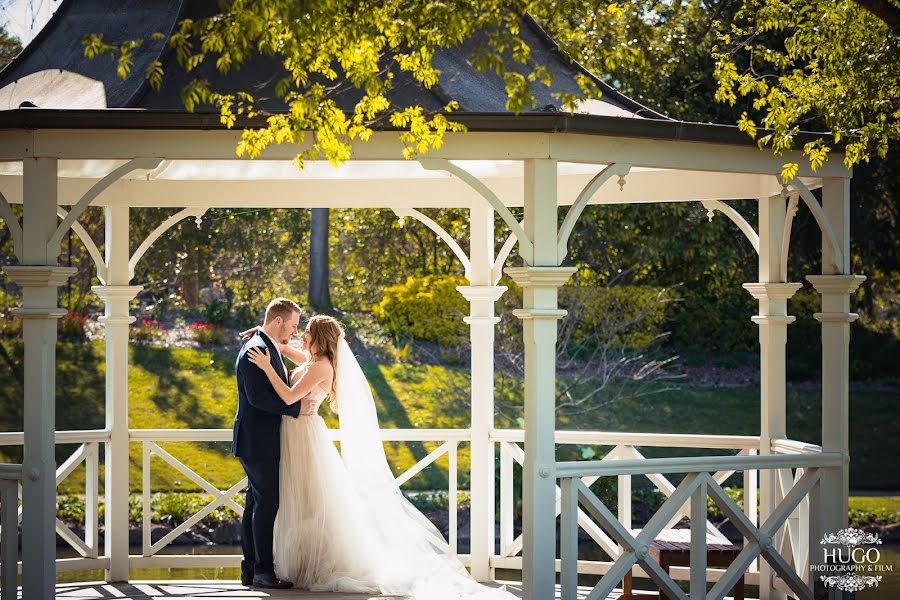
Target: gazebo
<point>73,135</point>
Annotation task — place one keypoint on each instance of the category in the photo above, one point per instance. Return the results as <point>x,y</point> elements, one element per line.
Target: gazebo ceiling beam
<point>443,192</point>
<point>675,154</point>
<point>563,147</point>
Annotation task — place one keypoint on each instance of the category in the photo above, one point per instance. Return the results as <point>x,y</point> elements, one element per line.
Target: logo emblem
<point>852,562</point>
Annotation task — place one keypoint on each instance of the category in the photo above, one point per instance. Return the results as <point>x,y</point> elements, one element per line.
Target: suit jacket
<point>257,424</point>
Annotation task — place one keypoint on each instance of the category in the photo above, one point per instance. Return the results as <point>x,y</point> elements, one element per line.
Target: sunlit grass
<point>187,388</point>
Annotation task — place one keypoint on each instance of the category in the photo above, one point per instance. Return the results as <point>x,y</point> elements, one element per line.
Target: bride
<point>343,525</point>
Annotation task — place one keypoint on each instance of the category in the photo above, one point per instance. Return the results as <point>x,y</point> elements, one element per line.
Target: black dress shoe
<point>269,581</point>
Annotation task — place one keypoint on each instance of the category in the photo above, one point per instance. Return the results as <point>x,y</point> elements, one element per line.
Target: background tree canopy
<point>788,64</point>
<point>800,62</point>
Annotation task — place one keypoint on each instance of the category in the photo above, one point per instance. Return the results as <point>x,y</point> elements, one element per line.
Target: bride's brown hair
<point>325,332</point>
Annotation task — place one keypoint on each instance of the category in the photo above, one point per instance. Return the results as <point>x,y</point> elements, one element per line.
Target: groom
<point>257,443</point>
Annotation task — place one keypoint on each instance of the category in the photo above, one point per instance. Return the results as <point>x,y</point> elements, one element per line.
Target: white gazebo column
<point>39,278</point>
<point>772,321</point>
<point>482,295</point>
<point>835,320</point>
<point>117,294</point>
<point>540,283</point>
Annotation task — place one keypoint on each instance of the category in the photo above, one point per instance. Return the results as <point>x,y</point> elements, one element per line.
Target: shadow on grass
<point>395,414</point>
<point>174,393</point>
<point>80,391</point>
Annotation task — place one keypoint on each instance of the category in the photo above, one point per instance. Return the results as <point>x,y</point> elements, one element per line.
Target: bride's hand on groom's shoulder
<point>248,333</point>
<point>258,357</point>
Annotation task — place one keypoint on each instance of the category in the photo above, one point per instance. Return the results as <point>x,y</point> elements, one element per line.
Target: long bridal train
<point>343,524</point>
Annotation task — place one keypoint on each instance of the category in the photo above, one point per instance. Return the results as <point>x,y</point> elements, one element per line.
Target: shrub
<point>72,326</point>
<point>425,308</point>
<point>207,334</point>
<point>438,500</point>
<point>174,507</point>
<point>217,312</point>
<point>70,508</point>
<point>147,330</point>
<point>618,316</point>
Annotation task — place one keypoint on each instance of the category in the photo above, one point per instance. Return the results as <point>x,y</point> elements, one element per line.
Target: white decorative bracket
<point>786,235</point>
<point>85,238</point>
<point>196,212</point>
<point>96,190</point>
<point>526,248</point>
<point>12,223</point>
<point>157,172</point>
<point>717,205</point>
<point>822,220</point>
<point>497,267</point>
<point>568,224</point>
<point>403,213</point>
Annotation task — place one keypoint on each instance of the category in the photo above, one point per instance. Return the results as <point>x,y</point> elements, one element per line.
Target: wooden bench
<point>673,549</point>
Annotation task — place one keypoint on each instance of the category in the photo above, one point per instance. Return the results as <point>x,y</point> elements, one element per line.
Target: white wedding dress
<point>343,524</point>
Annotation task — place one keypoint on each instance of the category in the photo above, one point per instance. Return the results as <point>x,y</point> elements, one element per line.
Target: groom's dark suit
<point>256,442</point>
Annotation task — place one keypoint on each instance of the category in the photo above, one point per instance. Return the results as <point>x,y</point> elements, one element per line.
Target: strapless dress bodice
<point>309,405</point>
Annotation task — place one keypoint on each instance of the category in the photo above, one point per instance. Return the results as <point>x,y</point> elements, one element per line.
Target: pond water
<point>888,588</point>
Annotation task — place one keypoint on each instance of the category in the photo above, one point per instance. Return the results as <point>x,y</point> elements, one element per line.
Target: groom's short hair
<point>282,307</point>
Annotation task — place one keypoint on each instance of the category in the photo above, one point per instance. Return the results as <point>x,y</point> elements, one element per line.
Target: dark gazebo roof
<point>53,73</point>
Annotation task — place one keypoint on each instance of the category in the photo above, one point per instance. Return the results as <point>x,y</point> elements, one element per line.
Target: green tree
<point>815,62</point>
<point>10,46</point>
<point>796,59</point>
<point>319,294</point>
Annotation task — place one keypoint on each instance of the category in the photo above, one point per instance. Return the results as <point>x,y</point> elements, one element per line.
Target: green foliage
<point>10,46</point>
<point>147,330</point>
<point>217,312</point>
<point>425,308</point>
<point>737,496</point>
<point>72,326</point>
<point>376,250</point>
<point>874,510</point>
<point>207,334</point>
<point>173,508</point>
<point>10,325</point>
<point>622,316</point>
<point>438,500</point>
<point>328,47</point>
<point>70,508</point>
<point>832,61</point>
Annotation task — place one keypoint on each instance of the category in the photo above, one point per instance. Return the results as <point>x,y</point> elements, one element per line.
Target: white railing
<point>448,441</point>
<point>88,454</point>
<point>624,448</point>
<point>792,540</point>
<point>10,478</point>
<point>762,541</point>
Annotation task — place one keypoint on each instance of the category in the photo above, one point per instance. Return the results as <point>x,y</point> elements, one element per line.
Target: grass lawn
<point>185,388</point>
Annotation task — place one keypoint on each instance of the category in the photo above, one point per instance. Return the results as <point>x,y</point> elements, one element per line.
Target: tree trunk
<point>319,296</point>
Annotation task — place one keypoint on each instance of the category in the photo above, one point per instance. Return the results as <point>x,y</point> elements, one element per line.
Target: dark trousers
<point>259,513</point>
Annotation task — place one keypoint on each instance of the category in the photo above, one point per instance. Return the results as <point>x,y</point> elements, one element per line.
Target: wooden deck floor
<point>212,590</point>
